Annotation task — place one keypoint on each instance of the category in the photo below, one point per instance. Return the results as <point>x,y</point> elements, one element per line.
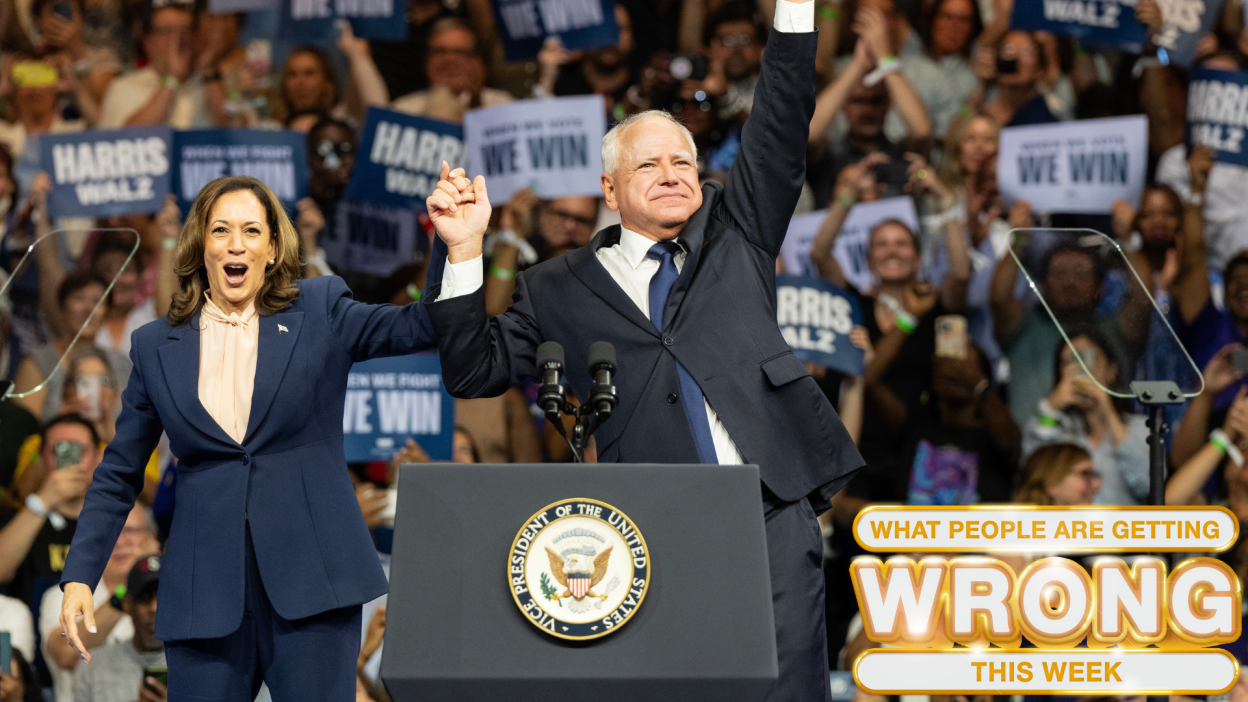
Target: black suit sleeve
<point>766,179</point>
<point>483,357</point>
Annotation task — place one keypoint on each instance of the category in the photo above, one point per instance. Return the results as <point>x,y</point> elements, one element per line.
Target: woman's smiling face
<point>237,249</point>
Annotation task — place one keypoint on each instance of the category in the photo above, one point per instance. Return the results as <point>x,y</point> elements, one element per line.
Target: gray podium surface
<point>704,631</point>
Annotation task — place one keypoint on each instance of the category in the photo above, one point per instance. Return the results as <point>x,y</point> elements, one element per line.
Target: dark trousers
<point>304,659</point>
<point>795,552</point>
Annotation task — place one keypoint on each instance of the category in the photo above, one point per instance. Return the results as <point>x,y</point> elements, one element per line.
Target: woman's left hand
<point>922,179</point>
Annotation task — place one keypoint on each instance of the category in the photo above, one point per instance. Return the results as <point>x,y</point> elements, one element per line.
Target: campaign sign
<point>1080,166</point>
<point>816,318</point>
<point>553,147</point>
<point>391,400</point>
<point>579,24</point>
<point>277,159</point>
<point>1185,22</point>
<point>1217,113</point>
<point>104,173</point>
<point>400,159</point>
<point>313,20</point>
<point>374,239</point>
<point>1094,22</point>
<point>850,249</point>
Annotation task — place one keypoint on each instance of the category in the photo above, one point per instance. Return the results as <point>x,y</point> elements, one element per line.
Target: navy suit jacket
<point>720,318</point>
<point>288,479</point>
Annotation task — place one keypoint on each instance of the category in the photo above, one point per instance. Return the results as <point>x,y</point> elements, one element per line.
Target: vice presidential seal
<point>579,569</point>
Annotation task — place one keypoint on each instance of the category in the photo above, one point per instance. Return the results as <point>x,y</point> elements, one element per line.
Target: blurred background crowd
<point>969,392</point>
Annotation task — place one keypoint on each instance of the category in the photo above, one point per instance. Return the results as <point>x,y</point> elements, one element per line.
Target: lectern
<point>455,627</point>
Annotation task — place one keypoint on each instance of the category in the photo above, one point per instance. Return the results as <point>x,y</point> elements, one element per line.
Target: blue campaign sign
<point>1095,22</point>
<point>104,173</point>
<point>816,318</point>
<point>278,159</point>
<point>313,21</point>
<point>579,24</point>
<point>1186,21</point>
<point>400,158</point>
<point>1217,113</point>
<point>391,400</point>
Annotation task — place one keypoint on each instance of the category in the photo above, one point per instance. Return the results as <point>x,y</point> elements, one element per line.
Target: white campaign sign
<point>850,249</point>
<point>553,146</point>
<point>1080,166</point>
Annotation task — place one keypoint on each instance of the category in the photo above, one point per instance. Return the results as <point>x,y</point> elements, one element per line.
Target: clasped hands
<point>460,211</point>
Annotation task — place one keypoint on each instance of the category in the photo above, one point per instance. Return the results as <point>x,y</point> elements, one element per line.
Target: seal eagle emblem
<point>578,569</point>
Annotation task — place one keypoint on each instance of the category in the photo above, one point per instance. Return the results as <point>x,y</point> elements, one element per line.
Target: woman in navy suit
<point>268,559</point>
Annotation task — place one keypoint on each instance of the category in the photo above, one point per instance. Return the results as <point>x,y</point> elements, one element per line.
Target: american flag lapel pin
<point>281,328</point>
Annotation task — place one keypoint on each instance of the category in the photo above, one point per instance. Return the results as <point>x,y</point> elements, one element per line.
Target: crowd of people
<point>970,393</point>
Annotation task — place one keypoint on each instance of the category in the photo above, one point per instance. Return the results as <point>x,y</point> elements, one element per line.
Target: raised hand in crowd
<point>551,59</point>
<point>410,453</point>
<point>63,33</point>
<point>1122,219</point>
<point>871,26</point>
<point>922,180</point>
<point>1148,12</point>
<point>856,182</point>
<point>1021,216</point>
<point>1190,435</point>
<point>1186,482</point>
<point>373,502</point>
<point>1199,163</point>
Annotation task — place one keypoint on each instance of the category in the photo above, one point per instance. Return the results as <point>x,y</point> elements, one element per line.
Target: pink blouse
<point>227,365</point>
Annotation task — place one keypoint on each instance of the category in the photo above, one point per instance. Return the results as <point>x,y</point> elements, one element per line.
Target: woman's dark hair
<point>329,98</point>
<point>30,682</point>
<point>6,172</point>
<point>1065,247</point>
<point>70,418</point>
<point>929,17</point>
<point>1101,341</point>
<point>278,289</point>
<point>77,281</point>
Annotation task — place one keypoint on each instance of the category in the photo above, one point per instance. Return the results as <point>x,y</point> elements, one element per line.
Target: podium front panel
<point>704,630</point>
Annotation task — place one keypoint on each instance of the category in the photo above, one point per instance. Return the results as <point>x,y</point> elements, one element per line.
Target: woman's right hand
<point>1065,395</point>
<point>78,602</point>
<point>1220,372</point>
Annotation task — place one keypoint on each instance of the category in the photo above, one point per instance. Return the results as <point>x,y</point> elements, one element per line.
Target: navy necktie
<point>690,393</point>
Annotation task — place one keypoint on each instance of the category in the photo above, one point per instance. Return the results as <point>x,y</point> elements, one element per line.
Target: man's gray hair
<point>611,142</point>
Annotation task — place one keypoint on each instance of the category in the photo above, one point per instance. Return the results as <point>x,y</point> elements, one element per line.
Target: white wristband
<point>35,504</point>
<point>888,64</point>
<point>1218,438</point>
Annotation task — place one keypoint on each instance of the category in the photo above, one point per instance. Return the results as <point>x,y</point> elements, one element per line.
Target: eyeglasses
<point>576,219</point>
<point>731,40</point>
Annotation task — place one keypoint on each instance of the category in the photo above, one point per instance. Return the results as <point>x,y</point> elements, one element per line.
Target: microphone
<point>550,395</point>
<point>602,397</point>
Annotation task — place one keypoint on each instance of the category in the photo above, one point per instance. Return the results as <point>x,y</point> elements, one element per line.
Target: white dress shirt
<point>627,261</point>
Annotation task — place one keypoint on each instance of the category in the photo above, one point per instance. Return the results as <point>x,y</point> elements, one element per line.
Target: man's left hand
<point>460,211</point>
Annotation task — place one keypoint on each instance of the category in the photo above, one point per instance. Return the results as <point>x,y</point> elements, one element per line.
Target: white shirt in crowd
<point>16,619</point>
<point>138,316</point>
<point>50,619</point>
<point>627,261</point>
<point>131,91</point>
<point>1226,208</point>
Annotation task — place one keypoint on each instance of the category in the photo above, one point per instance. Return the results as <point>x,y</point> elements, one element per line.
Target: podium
<point>703,631</point>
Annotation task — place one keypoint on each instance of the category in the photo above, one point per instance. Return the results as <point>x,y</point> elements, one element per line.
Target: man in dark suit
<point>685,290</point>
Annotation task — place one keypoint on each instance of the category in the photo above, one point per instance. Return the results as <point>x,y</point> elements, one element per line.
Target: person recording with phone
<point>1010,81</point>
<point>1080,411</point>
<point>33,545</point>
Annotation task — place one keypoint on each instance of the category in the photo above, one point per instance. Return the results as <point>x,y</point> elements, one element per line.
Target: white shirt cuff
<point>463,278</point>
<point>794,17</point>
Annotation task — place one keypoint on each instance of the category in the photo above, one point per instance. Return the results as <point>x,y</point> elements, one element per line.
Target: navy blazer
<point>720,318</point>
<point>288,479</point>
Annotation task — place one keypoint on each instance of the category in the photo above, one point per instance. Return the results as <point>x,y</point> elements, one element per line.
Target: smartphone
<point>6,653</point>
<point>64,9</point>
<point>951,338</point>
<point>1240,361</point>
<point>68,453</point>
<point>1006,67</point>
<point>159,672</point>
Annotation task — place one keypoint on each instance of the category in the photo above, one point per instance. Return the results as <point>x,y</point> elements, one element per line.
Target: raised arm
<point>1007,310</point>
<point>481,356</point>
<point>1191,290</point>
<point>872,28</point>
<point>766,179</point>
<point>851,182</point>
<point>366,79</point>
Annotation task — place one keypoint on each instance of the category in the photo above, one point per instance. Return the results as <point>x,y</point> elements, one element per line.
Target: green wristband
<point>828,13</point>
<point>845,200</point>
<point>1047,421</point>
<point>907,323</point>
<point>502,273</point>
<point>413,292</point>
